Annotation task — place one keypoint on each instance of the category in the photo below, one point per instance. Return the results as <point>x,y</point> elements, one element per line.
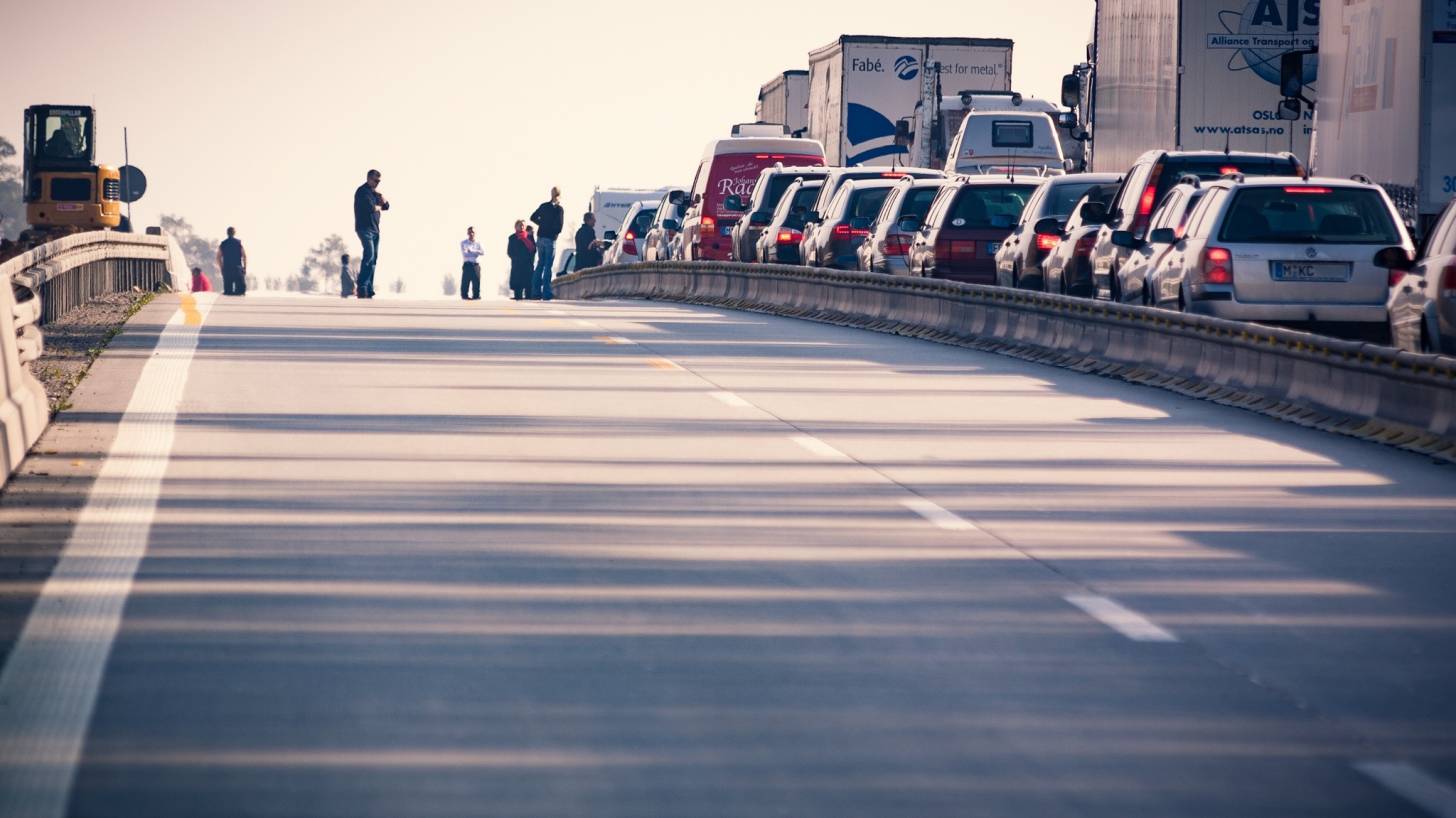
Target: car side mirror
<point>1124,238</point>
<point>1291,109</point>
<point>1071,90</point>
<point>610,235</point>
<point>735,203</point>
<point>861,223</point>
<point>1049,227</point>
<point>1067,121</point>
<point>1394,258</point>
<point>812,217</point>
<point>676,197</point>
<point>672,224</point>
<point>1291,74</point>
<point>909,224</point>
<point>1001,221</point>
<point>697,199</point>
<point>1095,212</point>
<point>1164,235</point>
<point>760,219</point>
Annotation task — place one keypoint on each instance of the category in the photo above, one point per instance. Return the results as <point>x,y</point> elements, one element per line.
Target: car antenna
<point>1227,138</point>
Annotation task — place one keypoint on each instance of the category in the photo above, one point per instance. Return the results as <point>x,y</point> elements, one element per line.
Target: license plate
<point>1309,271</point>
<point>993,247</point>
<point>69,208</point>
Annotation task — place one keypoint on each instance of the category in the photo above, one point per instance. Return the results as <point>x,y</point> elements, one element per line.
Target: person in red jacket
<point>200,284</point>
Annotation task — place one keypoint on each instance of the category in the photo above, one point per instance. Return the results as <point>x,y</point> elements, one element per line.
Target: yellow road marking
<point>189,310</point>
<point>662,363</point>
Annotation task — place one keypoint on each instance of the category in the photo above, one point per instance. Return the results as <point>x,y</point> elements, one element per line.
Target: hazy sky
<point>265,115</point>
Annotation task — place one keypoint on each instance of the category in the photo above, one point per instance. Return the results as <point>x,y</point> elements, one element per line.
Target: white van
<point>1002,142</point>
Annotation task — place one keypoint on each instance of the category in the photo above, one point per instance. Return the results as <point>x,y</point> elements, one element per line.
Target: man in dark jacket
<point>588,249</point>
<point>549,217</point>
<point>232,259</point>
<point>368,203</point>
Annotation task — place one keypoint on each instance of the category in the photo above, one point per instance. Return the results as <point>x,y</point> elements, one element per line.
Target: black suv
<point>1150,179</point>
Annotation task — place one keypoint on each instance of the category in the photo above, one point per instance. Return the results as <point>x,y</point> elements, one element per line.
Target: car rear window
<point>977,205</point>
<point>866,204</point>
<point>917,201</point>
<point>777,184</point>
<point>1309,215</point>
<point>643,221</point>
<point>1061,198</point>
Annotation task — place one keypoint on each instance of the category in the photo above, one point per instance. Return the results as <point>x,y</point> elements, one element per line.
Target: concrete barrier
<point>44,284</point>
<point>1357,389</point>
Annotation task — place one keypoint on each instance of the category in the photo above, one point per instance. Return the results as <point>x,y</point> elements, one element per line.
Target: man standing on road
<point>232,259</point>
<point>368,203</point>
<point>588,249</point>
<point>470,252</point>
<point>549,217</point>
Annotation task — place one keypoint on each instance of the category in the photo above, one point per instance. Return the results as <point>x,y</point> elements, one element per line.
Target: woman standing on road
<point>522,250</point>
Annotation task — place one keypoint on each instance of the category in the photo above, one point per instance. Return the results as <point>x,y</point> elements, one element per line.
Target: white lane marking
<point>940,517</point>
<point>814,445</point>
<point>617,340</point>
<point>731,399</point>
<point>49,684</point>
<point>556,312</point>
<point>581,323</point>
<point>1414,785</point>
<point>1120,618</point>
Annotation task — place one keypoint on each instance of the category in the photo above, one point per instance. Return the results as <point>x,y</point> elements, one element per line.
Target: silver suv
<point>1306,252</point>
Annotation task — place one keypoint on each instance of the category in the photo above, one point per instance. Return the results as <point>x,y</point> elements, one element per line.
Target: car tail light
<point>1085,245</point>
<point>844,231</point>
<point>787,236</point>
<point>1227,169</point>
<point>1147,201</point>
<point>1318,191</point>
<point>709,224</point>
<point>1047,242</point>
<point>896,244</point>
<point>1394,277</point>
<point>894,175</point>
<point>629,243</point>
<point>1448,281</point>
<point>1218,266</point>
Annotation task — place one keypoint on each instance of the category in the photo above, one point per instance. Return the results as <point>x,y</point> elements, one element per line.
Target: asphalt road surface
<point>632,559</point>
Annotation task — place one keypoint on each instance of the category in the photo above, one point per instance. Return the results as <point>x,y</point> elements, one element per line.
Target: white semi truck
<point>784,100</point>
<point>1194,75</point>
<point>861,86</point>
<point>1385,107</point>
<point>610,204</point>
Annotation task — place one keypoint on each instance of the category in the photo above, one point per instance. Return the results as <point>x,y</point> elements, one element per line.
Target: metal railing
<point>1363,390</point>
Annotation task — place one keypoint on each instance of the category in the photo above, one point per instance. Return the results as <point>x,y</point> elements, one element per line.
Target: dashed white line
<point>1414,785</point>
<point>1120,618</point>
<point>731,399</point>
<point>580,323</point>
<point>814,445</point>
<point>617,340</point>
<point>940,517</point>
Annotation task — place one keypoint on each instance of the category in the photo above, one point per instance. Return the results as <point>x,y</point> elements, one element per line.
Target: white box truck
<point>1385,107</point>
<point>860,86</point>
<point>784,100</point>
<point>610,204</point>
<point>1195,75</point>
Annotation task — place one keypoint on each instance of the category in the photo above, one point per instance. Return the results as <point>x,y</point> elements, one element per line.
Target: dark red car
<point>965,227</point>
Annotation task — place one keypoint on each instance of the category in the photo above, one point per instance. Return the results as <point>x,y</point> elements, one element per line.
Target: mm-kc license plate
<point>1309,271</point>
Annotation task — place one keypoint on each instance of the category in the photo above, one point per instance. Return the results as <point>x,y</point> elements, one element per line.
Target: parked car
<point>1067,269</point>
<point>1018,263</point>
<point>778,242</point>
<point>887,249</point>
<point>846,224</point>
<point>965,226</point>
<point>1150,179</point>
<point>772,182</point>
<point>1316,254</point>
<point>627,248</point>
<point>730,167</point>
<point>1136,279</point>
<point>662,235</point>
<point>836,177</point>
<point>1423,302</point>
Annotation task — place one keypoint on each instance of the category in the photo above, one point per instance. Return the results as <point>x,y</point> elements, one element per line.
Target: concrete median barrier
<point>1358,389</point>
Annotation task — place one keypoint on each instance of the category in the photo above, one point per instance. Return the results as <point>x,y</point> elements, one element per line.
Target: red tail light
<point>844,231</point>
<point>1318,191</point>
<point>629,243</point>
<point>1147,201</point>
<point>1085,245</point>
<point>1227,169</point>
<point>709,224</point>
<point>1047,242</point>
<point>787,236</point>
<point>1448,281</point>
<point>1395,277</point>
<point>896,244</point>
<point>1218,266</point>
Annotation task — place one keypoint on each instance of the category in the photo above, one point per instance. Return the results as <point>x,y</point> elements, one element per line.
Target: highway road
<point>410,558</point>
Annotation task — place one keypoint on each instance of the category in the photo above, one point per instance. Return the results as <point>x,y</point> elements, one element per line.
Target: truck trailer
<point>784,100</point>
<point>1195,75</point>
<point>1385,108</point>
<point>610,204</point>
<point>861,86</point>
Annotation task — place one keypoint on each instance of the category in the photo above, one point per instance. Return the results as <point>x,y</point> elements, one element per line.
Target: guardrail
<point>1357,389</point>
<point>44,284</point>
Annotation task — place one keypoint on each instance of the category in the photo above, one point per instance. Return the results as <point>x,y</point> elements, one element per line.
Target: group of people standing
<point>532,249</point>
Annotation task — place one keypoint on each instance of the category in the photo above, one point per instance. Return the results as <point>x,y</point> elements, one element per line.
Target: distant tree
<point>321,266</point>
<point>450,285</point>
<point>397,286</point>
<point>12,192</point>
<point>199,251</point>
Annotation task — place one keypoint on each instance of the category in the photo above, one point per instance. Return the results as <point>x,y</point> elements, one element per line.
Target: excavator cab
<point>64,187</point>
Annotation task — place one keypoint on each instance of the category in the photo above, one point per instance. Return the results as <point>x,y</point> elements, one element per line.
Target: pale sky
<point>265,115</point>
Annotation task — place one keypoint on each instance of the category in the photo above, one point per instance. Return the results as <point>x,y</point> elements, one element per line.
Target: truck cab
<point>1007,142</point>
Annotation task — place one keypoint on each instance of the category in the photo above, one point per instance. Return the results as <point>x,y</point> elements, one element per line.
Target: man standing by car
<point>368,203</point>
<point>470,253</point>
<point>232,259</point>
<point>549,217</point>
<point>588,249</point>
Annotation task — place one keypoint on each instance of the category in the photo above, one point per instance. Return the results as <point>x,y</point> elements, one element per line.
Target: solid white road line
<point>581,323</point>
<point>1124,620</point>
<point>49,684</point>
<point>814,445</point>
<point>1414,785</point>
<point>940,517</point>
<point>731,399</point>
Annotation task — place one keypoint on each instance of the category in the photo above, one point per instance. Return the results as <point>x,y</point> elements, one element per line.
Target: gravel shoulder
<point>73,343</point>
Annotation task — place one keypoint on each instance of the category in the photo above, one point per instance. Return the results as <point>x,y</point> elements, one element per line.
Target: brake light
<point>787,236</point>
<point>896,244</point>
<point>1145,204</point>
<point>844,231</point>
<point>629,243</point>
<point>1047,242</point>
<point>1227,169</point>
<point>1318,191</point>
<point>709,222</point>
<point>1448,281</point>
<point>894,175</point>
<point>1218,266</point>
<point>1395,277</point>
<point>1147,201</point>
<point>1085,245</point>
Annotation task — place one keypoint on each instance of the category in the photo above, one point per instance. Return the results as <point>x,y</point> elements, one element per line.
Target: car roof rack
<point>1190,179</point>
<point>1361,178</point>
<point>1233,177</point>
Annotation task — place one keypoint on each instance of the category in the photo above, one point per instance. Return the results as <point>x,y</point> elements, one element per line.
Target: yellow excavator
<point>64,187</point>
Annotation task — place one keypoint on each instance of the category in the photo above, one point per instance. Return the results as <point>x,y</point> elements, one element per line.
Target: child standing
<point>346,281</point>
